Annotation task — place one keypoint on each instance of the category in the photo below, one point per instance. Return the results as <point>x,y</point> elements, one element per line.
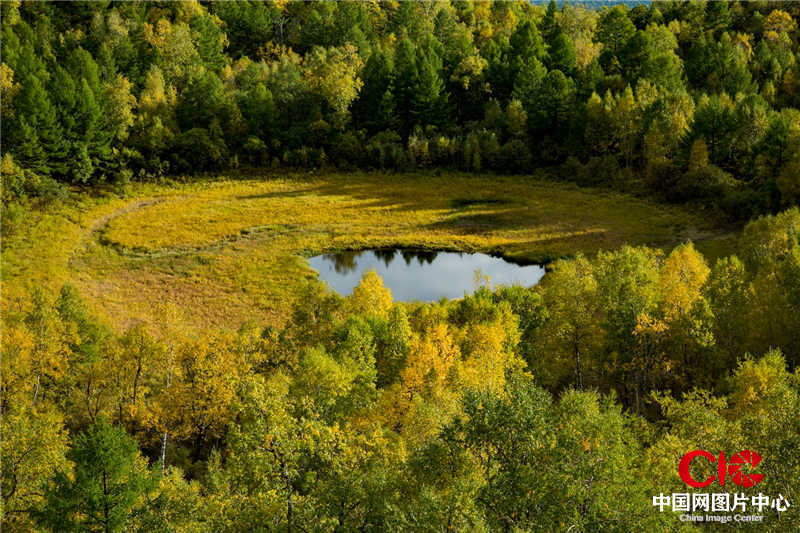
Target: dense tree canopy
<point>620,96</point>
<point>564,405</point>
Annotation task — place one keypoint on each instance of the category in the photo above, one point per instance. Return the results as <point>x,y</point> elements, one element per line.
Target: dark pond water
<point>421,275</point>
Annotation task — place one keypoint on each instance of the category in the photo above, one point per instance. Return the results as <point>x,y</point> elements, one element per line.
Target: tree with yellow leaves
<point>683,274</point>
<point>571,335</point>
<point>139,363</point>
<point>334,74</point>
<point>288,468</point>
<point>683,307</point>
<point>173,44</point>
<point>627,289</point>
<point>38,355</point>
<point>672,341</point>
<point>7,89</point>
<point>155,125</point>
<point>33,448</point>
<point>201,399</point>
<point>728,293</point>
<point>425,395</point>
<point>779,22</point>
<point>370,296</point>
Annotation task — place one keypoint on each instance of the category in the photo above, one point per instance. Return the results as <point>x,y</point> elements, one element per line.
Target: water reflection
<point>421,274</point>
<point>346,262</point>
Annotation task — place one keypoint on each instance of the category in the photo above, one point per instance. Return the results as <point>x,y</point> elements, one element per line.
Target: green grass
<point>232,250</point>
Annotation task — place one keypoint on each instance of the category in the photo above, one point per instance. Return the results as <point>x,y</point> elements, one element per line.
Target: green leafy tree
<point>203,101</point>
<point>561,55</point>
<point>570,337</point>
<point>627,289</point>
<point>34,132</point>
<point>511,440</point>
<point>375,103</point>
<point>526,43</point>
<point>729,292</point>
<point>108,482</point>
<point>614,30</point>
<point>430,103</point>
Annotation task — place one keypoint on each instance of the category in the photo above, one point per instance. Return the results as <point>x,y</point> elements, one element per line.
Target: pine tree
<point>429,105</point>
<point>528,79</point>
<point>35,135</point>
<point>406,80</point>
<point>386,117</point>
<point>258,108</point>
<point>109,479</point>
<point>561,55</point>
<point>377,75</point>
<point>526,45</point>
<point>549,23</point>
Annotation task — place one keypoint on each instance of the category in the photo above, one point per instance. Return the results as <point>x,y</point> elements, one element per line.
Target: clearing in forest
<point>226,251</point>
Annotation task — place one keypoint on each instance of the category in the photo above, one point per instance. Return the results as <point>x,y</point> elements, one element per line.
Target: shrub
<point>708,182</point>
<point>601,170</point>
<point>305,157</point>
<point>515,156</point>
<point>481,150</point>
<point>445,151</point>
<point>347,150</point>
<point>256,150</point>
<point>472,153</point>
<point>418,151</point>
<point>385,150</point>
<point>196,150</point>
<point>743,204</point>
<point>571,170</point>
<point>18,184</point>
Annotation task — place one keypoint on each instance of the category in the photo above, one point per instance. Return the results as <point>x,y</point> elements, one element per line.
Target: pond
<point>425,276</point>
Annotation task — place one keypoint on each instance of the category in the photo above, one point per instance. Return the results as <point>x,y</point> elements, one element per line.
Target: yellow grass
<point>231,250</point>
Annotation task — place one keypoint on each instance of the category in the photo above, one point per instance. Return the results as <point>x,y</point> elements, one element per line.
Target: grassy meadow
<point>230,250</point>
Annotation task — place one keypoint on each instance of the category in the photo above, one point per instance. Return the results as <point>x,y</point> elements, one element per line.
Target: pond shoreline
<point>422,275</point>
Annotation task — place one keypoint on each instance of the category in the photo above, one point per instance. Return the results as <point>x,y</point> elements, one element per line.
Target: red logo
<point>725,469</point>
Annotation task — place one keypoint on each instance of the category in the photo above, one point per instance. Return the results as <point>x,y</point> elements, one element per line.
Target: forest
<point>169,363</point>
<point>688,101</point>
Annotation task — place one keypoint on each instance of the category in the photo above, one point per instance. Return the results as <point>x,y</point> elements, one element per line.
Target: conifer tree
<point>109,479</point>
